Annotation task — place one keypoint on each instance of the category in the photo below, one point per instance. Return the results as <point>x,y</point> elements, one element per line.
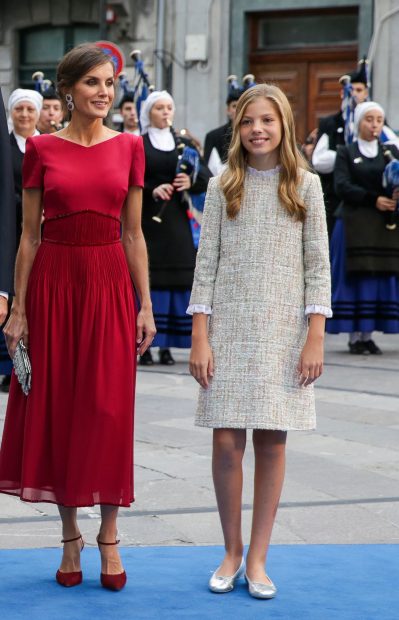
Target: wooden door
<point>286,47</point>
<point>290,77</point>
<point>323,89</point>
<point>312,86</point>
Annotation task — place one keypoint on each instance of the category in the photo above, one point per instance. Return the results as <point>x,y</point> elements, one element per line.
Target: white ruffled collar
<point>263,174</point>
<point>368,148</point>
<point>161,139</point>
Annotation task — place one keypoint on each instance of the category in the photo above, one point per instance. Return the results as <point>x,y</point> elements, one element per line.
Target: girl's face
<point>371,125</point>
<point>94,93</point>
<point>261,132</point>
<point>161,114</point>
<point>24,117</point>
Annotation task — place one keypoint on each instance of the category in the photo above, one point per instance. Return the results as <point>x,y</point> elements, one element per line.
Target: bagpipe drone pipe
<point>140,87</point>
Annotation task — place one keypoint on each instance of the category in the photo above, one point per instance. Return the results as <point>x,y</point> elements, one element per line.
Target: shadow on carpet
<point>315,582</point>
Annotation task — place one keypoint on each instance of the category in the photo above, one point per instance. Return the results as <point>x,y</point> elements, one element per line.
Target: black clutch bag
<point>22,367</point>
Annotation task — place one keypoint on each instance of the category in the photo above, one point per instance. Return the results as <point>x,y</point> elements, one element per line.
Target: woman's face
<point>161,114</point>
<point>94,93</point>
<point>371,125</point>
<point>24,117</point>
<point>260,128</point>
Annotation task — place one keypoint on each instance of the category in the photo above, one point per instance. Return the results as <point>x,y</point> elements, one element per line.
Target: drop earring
<point>69,102</point>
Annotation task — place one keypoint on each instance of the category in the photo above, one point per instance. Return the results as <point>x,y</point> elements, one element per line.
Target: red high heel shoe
<point>74,578</point>
<point>112,582</point>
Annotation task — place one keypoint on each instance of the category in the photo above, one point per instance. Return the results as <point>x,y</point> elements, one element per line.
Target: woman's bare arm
<point>136,255</point>
<point>17,327</point>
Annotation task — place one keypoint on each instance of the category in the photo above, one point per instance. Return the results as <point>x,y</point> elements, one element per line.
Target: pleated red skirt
<point>70,441</point>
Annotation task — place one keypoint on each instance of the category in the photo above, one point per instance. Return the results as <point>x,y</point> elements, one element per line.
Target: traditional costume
<point>170,242</point>
<point>364,252</point>
<point>332,133</point>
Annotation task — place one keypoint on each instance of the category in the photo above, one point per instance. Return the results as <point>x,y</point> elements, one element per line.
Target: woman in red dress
<point>70,441</point>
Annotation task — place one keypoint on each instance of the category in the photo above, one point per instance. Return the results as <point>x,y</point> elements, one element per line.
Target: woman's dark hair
<point>75,64</point>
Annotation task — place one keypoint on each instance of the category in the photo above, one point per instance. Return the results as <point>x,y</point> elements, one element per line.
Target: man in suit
<point>217,141</point>
<point>7,235</point>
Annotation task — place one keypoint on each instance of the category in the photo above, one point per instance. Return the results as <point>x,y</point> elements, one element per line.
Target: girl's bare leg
<point>71,557</point>
<point>269,447</point>
<point>228,452</point>
<point>110,560</point>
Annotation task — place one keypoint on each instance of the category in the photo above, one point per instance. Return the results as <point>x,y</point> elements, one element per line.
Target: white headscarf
<point>18,95</point>
<point>25,94</point>
<point>362,109</point>
<point>147,105</point>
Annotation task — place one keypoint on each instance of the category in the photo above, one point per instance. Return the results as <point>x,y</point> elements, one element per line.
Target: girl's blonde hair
<point>291,160</point>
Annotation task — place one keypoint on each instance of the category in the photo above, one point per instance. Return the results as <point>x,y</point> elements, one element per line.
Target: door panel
<point>290,77</point>
<point>323,89</point>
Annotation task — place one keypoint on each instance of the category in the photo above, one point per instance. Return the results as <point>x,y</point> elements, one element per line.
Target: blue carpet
<point>316,582</point>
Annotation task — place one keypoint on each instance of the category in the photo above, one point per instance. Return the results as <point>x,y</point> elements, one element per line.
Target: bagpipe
<point>188,162</point>
<point>45,86</point>
<point>141,86</point>
<point>390,181</point>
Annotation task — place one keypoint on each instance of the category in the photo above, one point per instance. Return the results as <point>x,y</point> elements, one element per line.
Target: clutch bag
<point>22,367</point>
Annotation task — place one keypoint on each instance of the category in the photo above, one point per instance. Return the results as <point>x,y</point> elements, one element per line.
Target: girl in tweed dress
<point>263,276</point>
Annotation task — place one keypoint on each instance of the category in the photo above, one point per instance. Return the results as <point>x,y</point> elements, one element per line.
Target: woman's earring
<point>69,102</point>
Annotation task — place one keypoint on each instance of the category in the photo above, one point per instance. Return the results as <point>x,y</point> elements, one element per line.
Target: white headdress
<point>147,105</point>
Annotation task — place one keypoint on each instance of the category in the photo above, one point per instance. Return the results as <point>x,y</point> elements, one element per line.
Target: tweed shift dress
<point>258,273</point>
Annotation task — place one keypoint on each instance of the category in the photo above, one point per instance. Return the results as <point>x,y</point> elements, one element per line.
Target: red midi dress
<point>70,441</point>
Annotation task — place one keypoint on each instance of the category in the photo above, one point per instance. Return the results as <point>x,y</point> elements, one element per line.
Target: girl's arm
<point>317,281</point>
<point>136,255</point>
<point>201,358</point>
<point>310,365</point>
<point>17,326</point>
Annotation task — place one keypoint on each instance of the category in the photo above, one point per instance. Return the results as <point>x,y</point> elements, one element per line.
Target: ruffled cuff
<point>198,309</point>
<point>313,309</point>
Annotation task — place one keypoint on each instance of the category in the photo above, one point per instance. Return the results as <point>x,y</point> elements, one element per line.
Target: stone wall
<point>385,75</point>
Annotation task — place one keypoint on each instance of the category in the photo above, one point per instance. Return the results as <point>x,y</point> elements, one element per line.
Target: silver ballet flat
<point>261,590</point>
<point>220,584</point>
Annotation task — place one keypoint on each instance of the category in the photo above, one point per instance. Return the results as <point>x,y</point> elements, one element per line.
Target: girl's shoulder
<point>308,179</point>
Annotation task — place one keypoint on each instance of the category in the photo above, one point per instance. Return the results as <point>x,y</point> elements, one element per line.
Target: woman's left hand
<point>182,182</point>
<point>310,365</point>
<point>145,330</point>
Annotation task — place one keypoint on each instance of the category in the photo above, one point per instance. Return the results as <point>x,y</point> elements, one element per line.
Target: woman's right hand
<point>201,361</point>
<point>15,329</point>
<point>163,192</point>
<point>385,204</point>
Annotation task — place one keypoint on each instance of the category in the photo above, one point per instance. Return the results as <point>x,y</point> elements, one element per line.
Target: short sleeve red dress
<point>70,441</point>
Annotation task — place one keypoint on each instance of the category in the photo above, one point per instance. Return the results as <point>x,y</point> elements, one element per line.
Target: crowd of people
<point>107,267</point>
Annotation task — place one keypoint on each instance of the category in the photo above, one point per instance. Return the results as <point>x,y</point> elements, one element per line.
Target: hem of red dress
<point>49,501</point>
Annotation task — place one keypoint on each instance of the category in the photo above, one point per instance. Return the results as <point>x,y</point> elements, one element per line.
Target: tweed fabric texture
<point>258,272</point>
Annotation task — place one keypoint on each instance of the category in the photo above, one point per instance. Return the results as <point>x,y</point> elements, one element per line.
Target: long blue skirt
<point>172,323</point>
<point>360,303</point>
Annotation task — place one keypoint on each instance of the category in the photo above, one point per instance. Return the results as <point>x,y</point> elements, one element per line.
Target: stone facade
<point>198,86</point>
